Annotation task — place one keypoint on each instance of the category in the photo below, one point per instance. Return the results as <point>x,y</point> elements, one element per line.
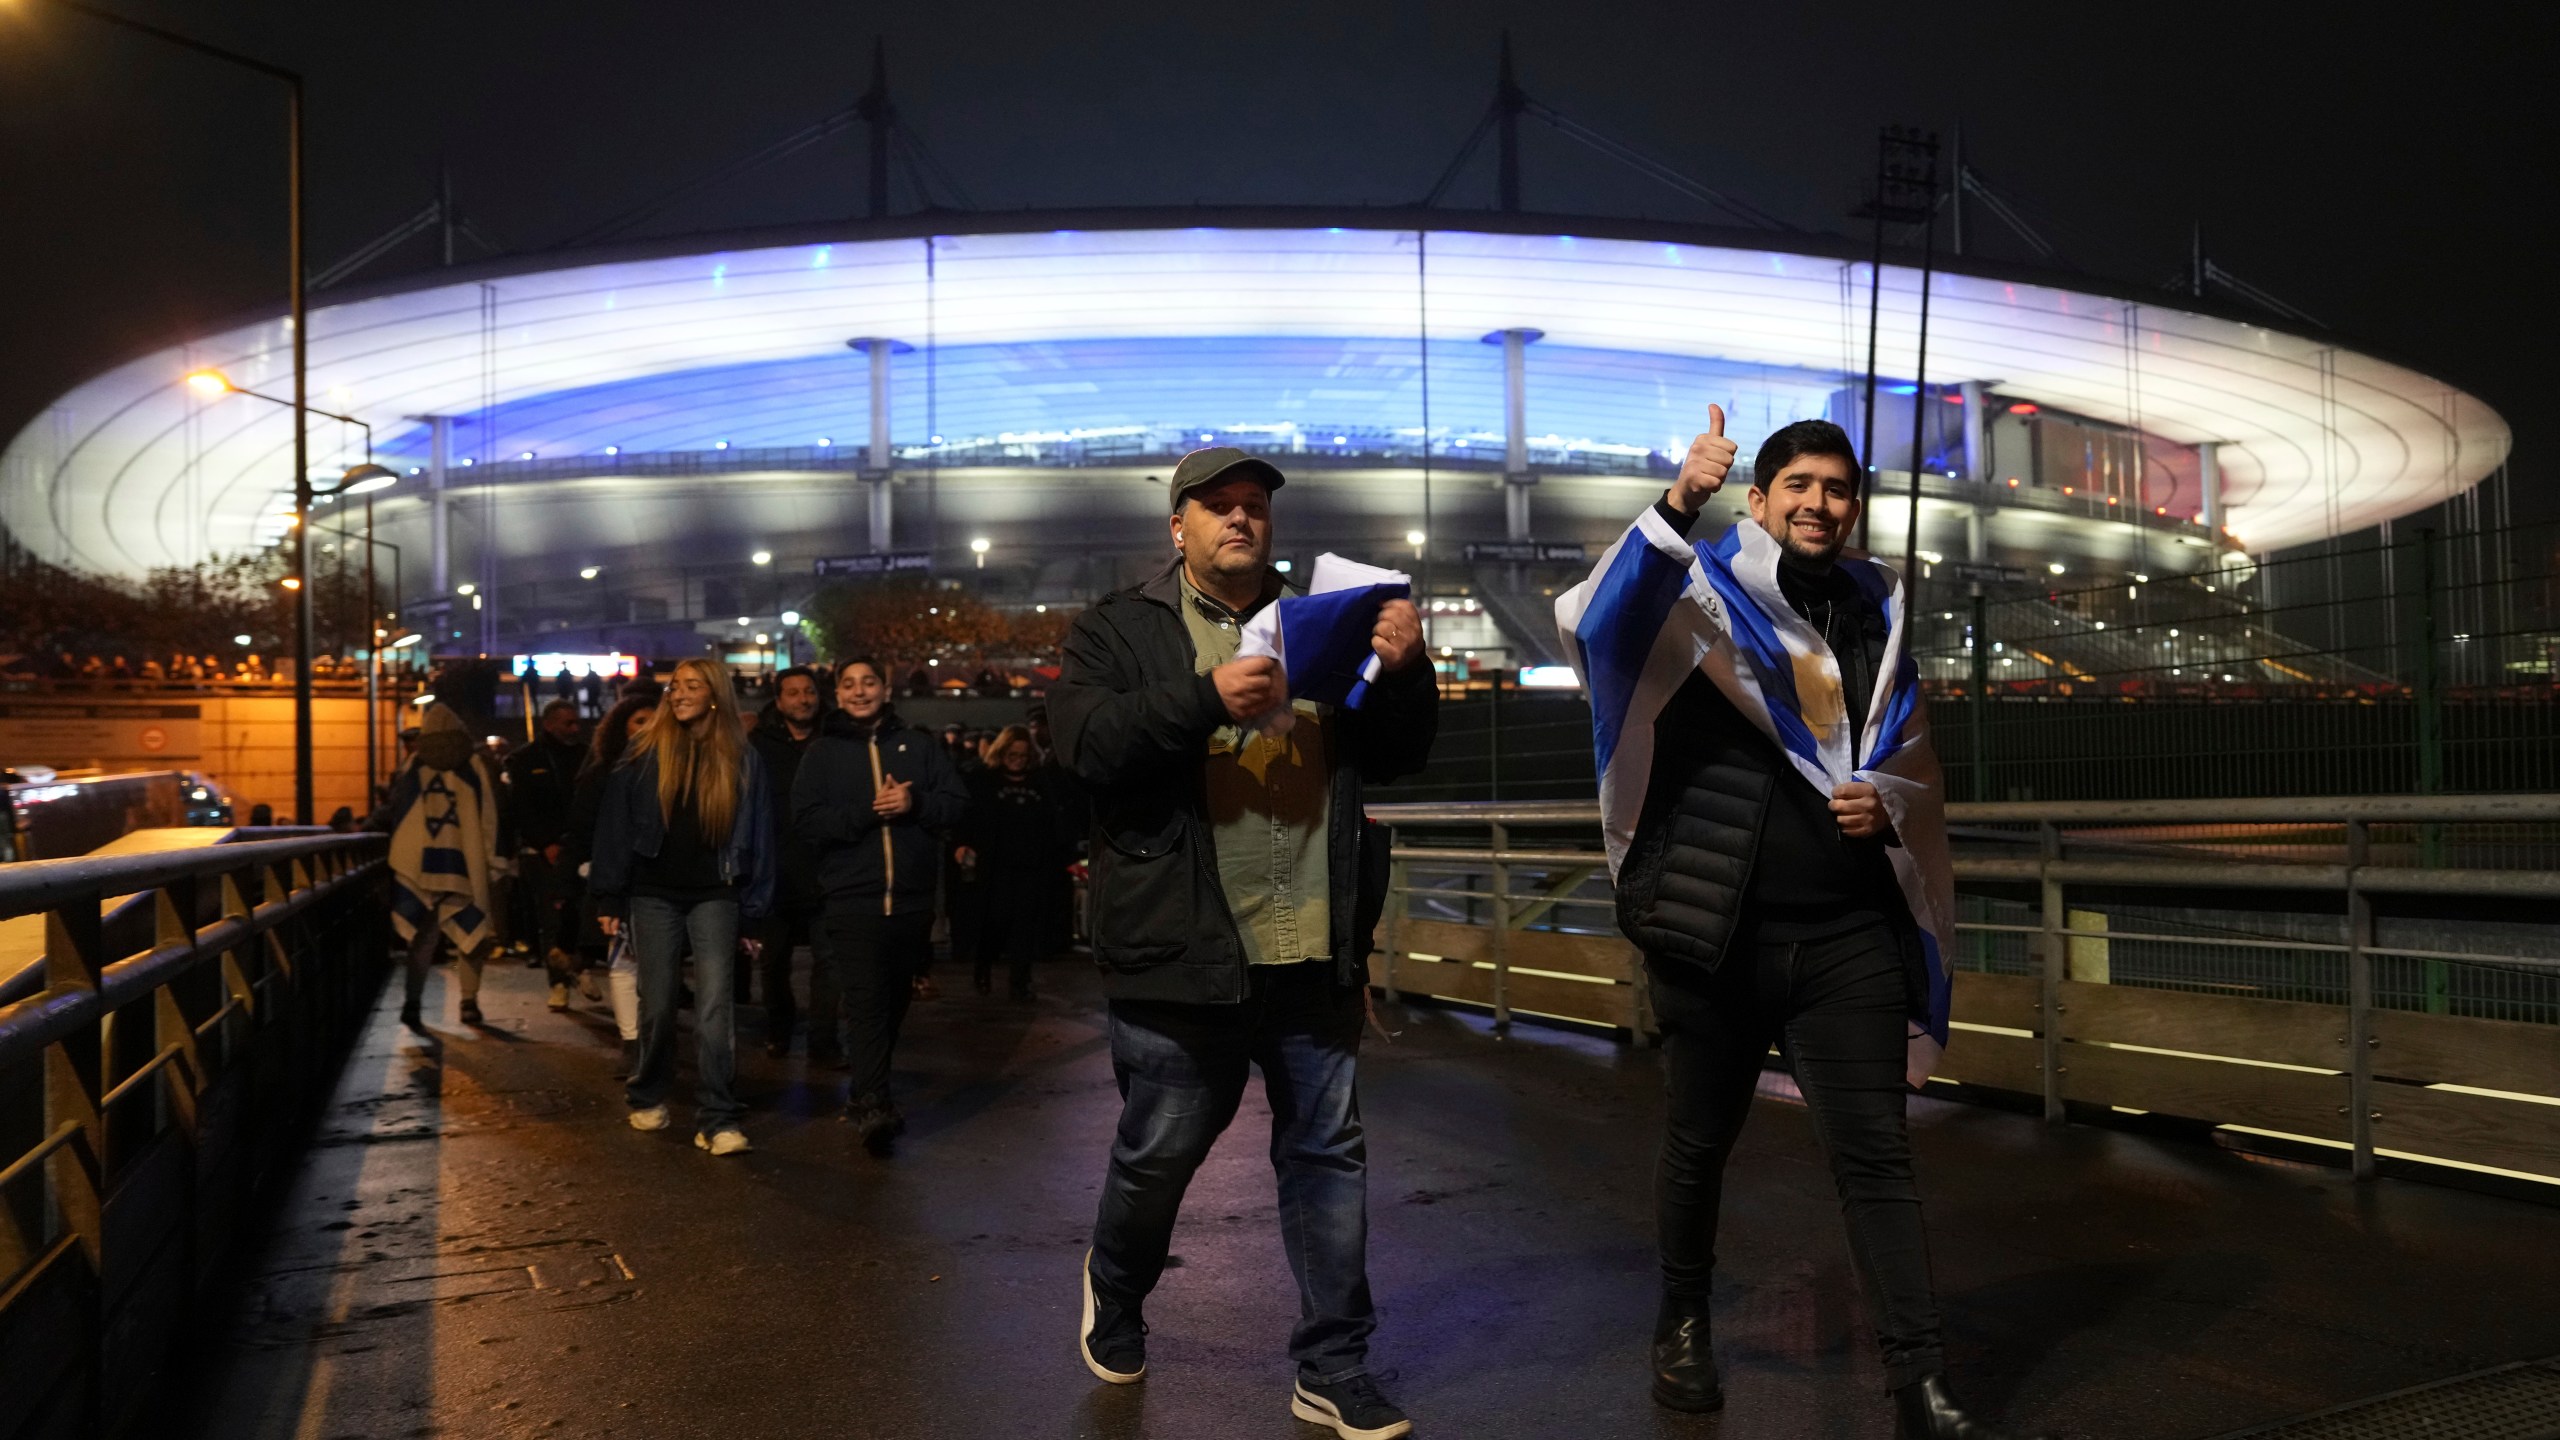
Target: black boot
<point>1923,1410</point>
<point>1684,1359</point>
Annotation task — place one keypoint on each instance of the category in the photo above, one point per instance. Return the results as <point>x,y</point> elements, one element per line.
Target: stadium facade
<point>599,444</point>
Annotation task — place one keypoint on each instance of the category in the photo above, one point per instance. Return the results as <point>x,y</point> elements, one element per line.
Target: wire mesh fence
<point>2415,663</point>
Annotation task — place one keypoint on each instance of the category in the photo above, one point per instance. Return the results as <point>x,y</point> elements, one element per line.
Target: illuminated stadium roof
<point>1034,332</point>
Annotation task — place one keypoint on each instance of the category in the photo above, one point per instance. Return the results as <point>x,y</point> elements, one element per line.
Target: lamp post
<point>364,480</point>
<point>301,370</point>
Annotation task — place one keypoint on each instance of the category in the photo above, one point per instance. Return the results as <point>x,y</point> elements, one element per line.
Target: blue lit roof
<point>1310,324</point>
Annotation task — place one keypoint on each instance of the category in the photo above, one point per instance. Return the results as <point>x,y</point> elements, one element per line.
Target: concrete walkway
<point>479,1246</point>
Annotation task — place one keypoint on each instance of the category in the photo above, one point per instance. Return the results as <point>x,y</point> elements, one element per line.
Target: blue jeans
<point>1181,1070</point>
<point>661,931</point>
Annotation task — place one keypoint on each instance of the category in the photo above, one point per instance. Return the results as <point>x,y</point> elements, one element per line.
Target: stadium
<point>661,448</point>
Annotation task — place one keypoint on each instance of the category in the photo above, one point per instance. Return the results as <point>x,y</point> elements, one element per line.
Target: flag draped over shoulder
<point>1658,607</point>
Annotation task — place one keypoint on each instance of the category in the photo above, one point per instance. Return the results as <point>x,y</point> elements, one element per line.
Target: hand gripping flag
<point>1321,638</point>
<point>1658,607</point>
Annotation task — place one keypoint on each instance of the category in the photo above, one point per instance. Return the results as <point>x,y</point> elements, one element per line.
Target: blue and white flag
<point>1322,638</point>
<point>1658,607</point>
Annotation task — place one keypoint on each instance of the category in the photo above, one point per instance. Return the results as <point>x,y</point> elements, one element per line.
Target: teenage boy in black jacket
<point>1227,911</point>
<point>875,799</point>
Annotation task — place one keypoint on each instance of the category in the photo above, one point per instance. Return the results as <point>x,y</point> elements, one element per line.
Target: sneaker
<point>652,1118</point>
<point>1352,1407</point>
<point>588,987</point>
<point>470,1011</point>
<point>731,1141</point>
<point>876,1121</point>
<point>559,997</point>
<point>1112,1338</point>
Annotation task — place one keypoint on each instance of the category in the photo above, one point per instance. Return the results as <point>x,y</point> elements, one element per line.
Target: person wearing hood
<point>442,817</point>
<point>784,731</point>
<point>874,801</point>
<point>684,852</point>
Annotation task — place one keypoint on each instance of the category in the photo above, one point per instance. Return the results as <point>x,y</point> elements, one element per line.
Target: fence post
<point>2430,741</point>
<point>1493,740</point>
<point>2050,1006</point>
<point>2359,1037</point>
<point>1399,910</point>
<point>1501,928</point>
<point>1980,706</point>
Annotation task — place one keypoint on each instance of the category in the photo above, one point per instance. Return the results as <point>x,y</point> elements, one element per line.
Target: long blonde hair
<point>706,759</point>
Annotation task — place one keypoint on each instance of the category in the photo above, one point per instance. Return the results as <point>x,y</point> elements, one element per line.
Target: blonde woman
<point>684,849</point>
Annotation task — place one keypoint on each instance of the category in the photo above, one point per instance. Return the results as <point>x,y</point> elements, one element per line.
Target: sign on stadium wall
<point>886,562</point>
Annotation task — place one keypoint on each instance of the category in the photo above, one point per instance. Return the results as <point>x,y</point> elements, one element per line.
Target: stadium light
<point>209,382</point>
<point>590,572</point>
<point>790,617</point>
<point>762,557</point>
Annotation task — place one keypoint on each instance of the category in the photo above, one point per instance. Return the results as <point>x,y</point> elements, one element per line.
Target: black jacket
<point>861,860</point>
<point>1133,722</point>
<point>630,828</point>
<point>797,885</point>
<point>542,785</point>
<point>1018,828</point>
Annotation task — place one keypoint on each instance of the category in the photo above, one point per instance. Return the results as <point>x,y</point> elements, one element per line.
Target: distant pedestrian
<point>684,851</point>
<point>442,816</point>
<point>542,786</point>
<point>784,731</point>
<point>595,950</point>
<point>1015,841</point>
<point>874,799</point>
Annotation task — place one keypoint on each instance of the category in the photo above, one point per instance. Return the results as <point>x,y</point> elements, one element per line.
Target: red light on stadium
<point>2159,509</point>
<point>2022,408</point>
<point>2066,489</point>
<point>2013,482</point>
<point>2111,499</point>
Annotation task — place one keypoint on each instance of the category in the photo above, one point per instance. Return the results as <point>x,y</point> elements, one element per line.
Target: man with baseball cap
<point>1232,902</point>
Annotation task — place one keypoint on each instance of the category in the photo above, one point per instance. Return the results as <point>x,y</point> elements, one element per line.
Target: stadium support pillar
<point>881,459</point>
<point>439,527</point>
<point>1977,433</point>
<point>2209,484</point>
<point>1516,475</point>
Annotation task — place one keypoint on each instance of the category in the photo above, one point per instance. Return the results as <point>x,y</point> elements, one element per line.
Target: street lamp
<point>979,548</point>
<point>301,365</point>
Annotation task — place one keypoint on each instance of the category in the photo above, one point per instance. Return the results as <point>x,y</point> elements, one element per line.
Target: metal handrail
<point>2278,810</point>
<point>172,1044</point>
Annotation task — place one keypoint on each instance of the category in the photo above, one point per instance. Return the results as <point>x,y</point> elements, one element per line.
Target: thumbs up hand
<point>1702,474</point>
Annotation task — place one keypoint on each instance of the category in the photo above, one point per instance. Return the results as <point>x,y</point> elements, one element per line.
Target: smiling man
<point>1774,824</point>
<point>1230,911</point>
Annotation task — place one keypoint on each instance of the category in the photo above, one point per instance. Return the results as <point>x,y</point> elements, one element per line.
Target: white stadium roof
<point>134,468</point>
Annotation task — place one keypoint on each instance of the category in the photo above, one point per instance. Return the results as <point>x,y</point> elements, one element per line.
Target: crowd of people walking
<point>681,854</point>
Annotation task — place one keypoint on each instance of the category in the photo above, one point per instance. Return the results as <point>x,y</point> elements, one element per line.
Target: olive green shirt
<point>1270,807</point>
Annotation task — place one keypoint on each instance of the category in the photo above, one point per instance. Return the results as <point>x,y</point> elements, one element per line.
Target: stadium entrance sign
<point>886,562</point>
<point>1532,551</point>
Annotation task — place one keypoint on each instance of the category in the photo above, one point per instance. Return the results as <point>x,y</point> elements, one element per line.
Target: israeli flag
<point>1658,607</point>
<point>1321,638</point>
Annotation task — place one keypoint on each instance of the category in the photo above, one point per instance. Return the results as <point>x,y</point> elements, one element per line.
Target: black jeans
<point>781,934</point>
<point>1836,1008</point>
<point>876,959</point>
<point>1012,925</point>
<point>1182,1070</point>
<point>544,891</point>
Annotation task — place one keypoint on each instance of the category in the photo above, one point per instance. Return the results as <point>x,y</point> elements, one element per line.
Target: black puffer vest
<point>1680,888</point>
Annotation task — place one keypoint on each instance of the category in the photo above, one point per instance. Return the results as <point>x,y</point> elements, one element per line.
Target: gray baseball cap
<point>1219,462</point>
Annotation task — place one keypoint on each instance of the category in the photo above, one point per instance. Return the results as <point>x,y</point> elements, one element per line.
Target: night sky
<point>2372,166</point>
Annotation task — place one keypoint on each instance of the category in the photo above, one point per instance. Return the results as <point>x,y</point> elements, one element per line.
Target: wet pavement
<point>479,1246</point>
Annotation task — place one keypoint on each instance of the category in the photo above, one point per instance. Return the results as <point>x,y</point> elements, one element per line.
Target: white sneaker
<point>727,1142</point>
<point>653,1118</point>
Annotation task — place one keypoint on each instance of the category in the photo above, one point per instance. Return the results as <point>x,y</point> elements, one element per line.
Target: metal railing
<point>193,1006</point>
<point>2307,968</point>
